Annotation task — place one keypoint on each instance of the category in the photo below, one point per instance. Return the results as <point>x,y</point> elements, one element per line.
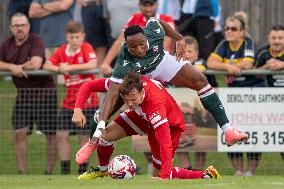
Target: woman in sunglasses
<point>235,53</point>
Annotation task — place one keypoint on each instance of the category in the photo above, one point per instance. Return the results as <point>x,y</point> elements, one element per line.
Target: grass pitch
<point>143,182</point>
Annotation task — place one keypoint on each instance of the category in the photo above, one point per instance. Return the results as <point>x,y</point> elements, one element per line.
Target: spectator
<point>55,13</point>
<point>76,55</point>
<point>191,54</point>
<point>36,95</point>
<point>148,9</point>
<point>234,54</point>
<point>271,57</point>
<point>23,6</point>
<point>117,13</point>
<point>97,31</point>
<point>171,8</point>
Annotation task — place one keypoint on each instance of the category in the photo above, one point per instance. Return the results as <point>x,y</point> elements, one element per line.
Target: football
<point>122,167</point>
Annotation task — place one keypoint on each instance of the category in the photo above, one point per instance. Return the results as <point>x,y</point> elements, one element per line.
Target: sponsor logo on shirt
<point>157,30</point>
<point>125,62</point>
<point>80,60</point>
<point>249,53</point>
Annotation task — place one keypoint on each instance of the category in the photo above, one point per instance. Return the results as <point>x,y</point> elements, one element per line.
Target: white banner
<point>257,111</point>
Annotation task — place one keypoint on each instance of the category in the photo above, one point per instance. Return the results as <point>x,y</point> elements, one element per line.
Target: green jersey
<point>126,62</point>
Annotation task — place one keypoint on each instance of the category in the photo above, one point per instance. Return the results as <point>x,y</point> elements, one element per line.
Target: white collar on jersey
<point>68,53</point>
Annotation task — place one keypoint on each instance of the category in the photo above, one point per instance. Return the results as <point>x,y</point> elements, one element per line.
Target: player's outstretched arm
<point>110,100</point>
<point>180,42</point>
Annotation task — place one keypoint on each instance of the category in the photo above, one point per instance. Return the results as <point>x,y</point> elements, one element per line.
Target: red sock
<point>104,154</point>
<point>181,173</point>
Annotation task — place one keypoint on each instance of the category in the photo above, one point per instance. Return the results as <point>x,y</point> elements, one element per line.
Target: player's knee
<point>199,81</point>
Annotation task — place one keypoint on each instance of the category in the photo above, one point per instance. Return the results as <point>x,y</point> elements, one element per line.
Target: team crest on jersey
<point>155,48</point>
<point>80,60</point>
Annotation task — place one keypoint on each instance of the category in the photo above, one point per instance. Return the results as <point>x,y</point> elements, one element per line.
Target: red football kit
<point>73,82</point>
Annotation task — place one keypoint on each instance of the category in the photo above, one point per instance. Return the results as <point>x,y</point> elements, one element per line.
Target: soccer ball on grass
<point>122,167</point>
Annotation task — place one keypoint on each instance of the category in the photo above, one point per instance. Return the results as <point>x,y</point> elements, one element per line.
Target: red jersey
<point>139,19</point>
<point>158,106</point>
<point>73,82</point>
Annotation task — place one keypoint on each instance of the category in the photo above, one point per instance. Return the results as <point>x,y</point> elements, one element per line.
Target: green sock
<point>213,104</point>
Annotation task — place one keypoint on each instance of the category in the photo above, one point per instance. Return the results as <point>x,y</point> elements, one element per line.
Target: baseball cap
<point>150,1</point>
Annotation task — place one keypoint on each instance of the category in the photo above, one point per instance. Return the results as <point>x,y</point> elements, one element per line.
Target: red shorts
<point>134,124</point>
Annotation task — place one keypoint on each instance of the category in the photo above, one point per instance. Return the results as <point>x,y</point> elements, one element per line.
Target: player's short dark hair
<point>132,30</point>
<point>277,27</point>
<point>130,82</point>
<point>74,27</point>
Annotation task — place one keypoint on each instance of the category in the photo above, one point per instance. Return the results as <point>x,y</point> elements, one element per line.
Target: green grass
<point>143,182</point>
<point>271,163</point>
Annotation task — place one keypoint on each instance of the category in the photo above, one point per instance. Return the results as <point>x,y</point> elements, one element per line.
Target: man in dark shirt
<point>36,95</point>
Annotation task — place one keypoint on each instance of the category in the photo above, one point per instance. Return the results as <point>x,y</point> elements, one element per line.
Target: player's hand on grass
<point>79,118</point>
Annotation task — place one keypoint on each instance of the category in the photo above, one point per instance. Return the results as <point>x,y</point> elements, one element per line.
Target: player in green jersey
<point>143,52</point>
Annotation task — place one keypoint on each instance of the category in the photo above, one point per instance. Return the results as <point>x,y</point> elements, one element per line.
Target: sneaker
<point>85,152</point>
<point>93,174</point>
<point>233,136</point>
<point>212,172</point>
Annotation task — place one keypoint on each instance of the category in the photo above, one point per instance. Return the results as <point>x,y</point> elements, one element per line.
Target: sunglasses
<point>234,29</point>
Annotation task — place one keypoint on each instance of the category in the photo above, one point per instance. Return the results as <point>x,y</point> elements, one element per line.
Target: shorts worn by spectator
<point>37,99</point>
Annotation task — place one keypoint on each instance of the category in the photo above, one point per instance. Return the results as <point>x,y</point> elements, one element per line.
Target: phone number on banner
<point>261,139</point>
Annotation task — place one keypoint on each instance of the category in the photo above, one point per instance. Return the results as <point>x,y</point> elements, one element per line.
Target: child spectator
<point>76,55</point>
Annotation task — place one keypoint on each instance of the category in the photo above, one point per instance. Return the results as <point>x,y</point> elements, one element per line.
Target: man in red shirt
<point>148,9</point>
<point>154,112</point>
<point>76,55</point>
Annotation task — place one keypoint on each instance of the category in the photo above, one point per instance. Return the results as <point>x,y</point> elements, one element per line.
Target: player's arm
<point>97,85</point>
<point>111,54</point>
<point>170,32</point>
<point>180,42</point>
<point>163,135</point>
<point>110,101</point>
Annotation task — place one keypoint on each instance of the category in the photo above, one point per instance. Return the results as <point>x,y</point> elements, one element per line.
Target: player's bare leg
<point>189,77</point>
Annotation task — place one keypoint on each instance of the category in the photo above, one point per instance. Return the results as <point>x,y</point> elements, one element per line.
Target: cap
<point>145,1</point>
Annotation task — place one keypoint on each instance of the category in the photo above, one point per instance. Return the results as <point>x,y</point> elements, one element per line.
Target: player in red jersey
<point>154,112</point>
<point>148,9</point>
